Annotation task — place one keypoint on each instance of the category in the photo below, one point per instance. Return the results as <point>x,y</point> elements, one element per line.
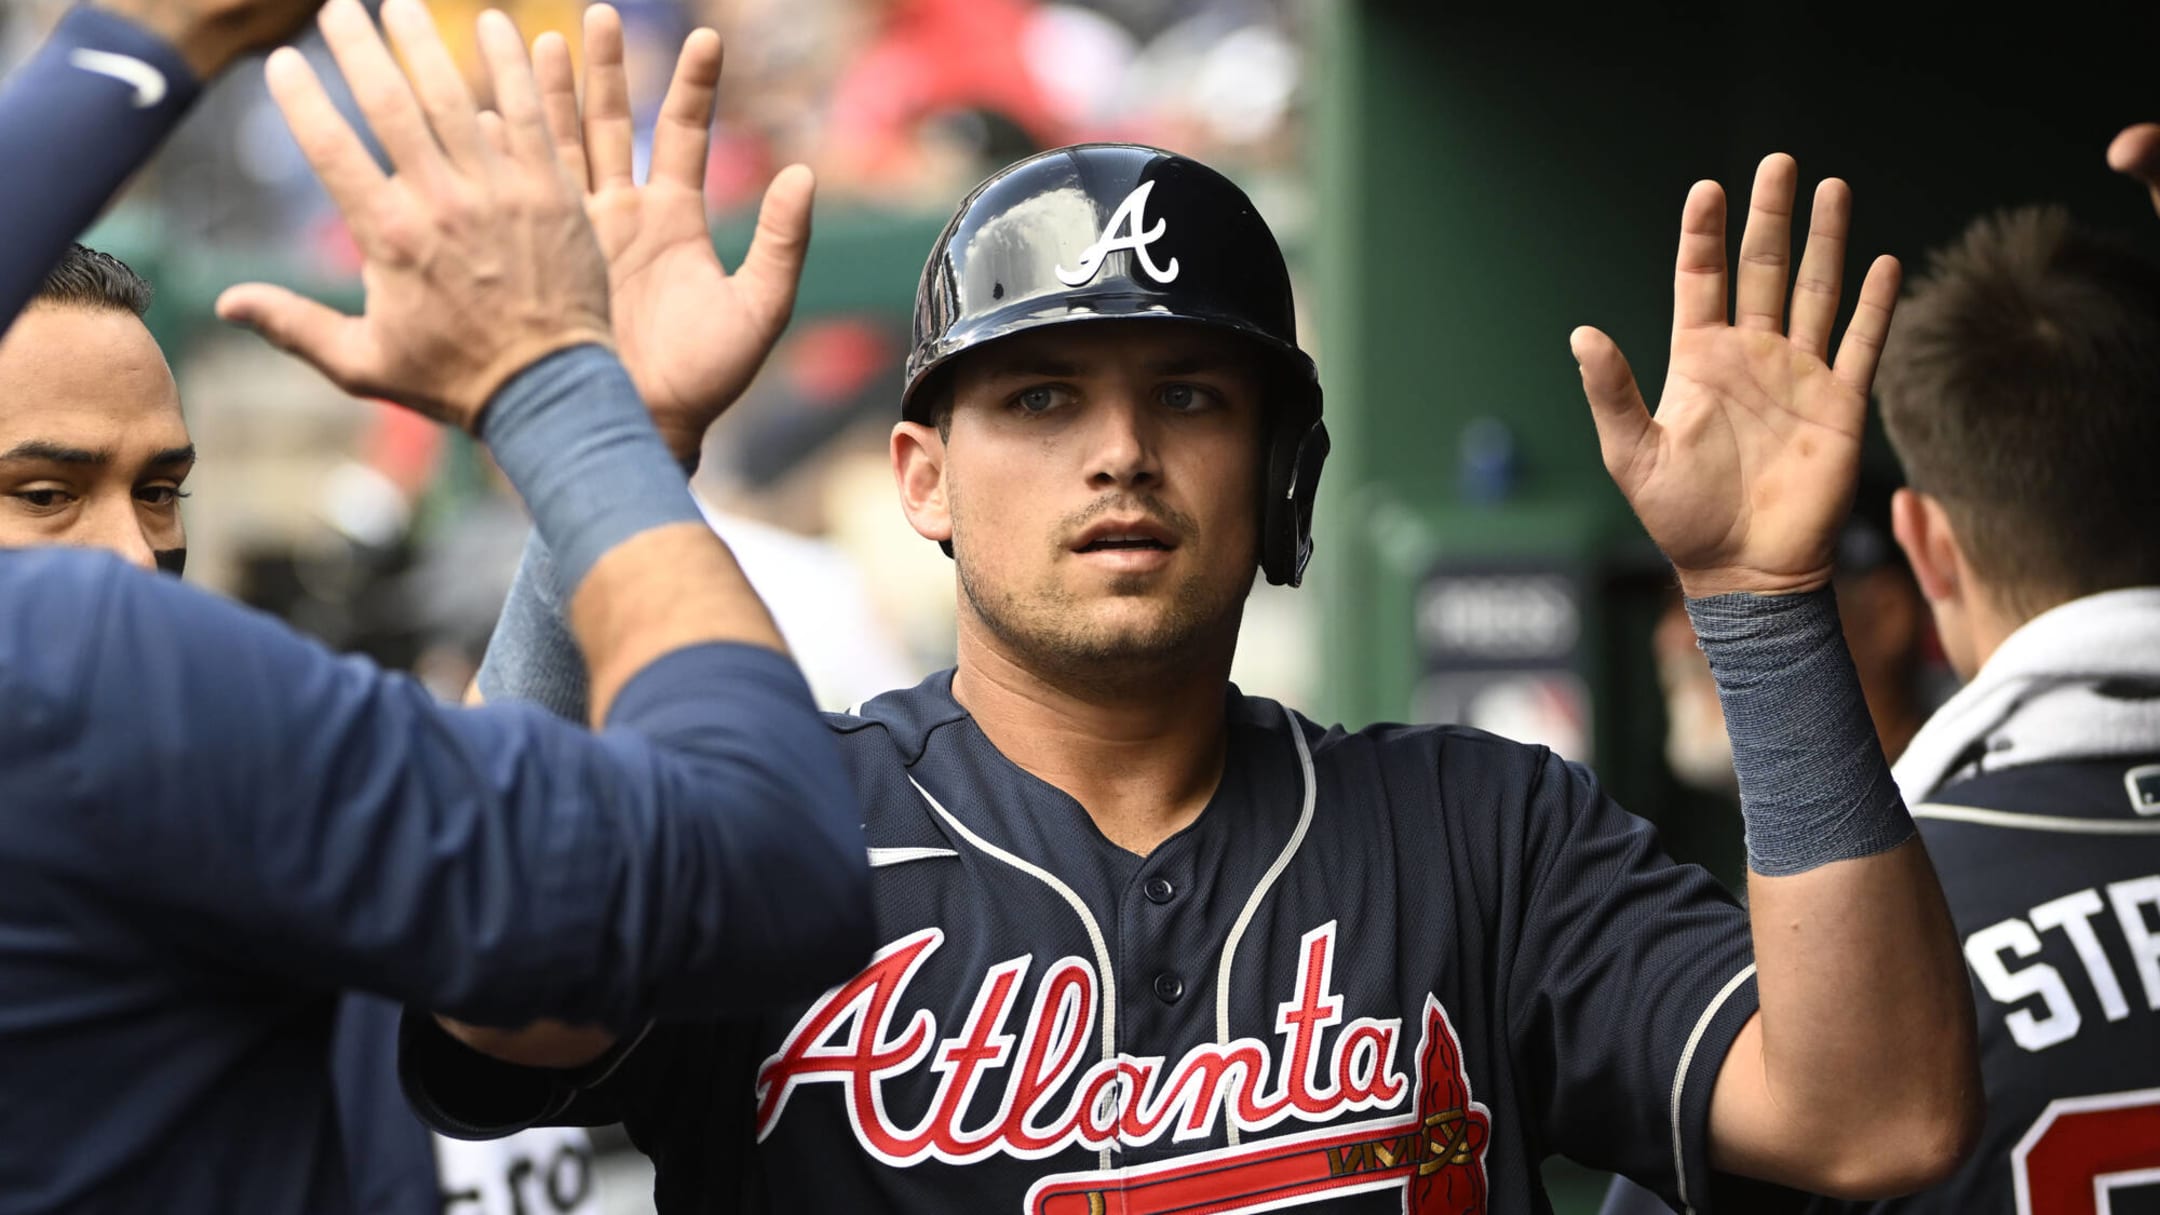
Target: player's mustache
<point>1178,522</point>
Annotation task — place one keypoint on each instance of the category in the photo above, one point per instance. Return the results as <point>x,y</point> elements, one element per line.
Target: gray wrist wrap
<point>572,435</point>
<point>532,656</point>
<point>1814,787</point>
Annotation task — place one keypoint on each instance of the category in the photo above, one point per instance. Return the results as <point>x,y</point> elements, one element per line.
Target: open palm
<point>691,334</point>
<point>1745,473</point>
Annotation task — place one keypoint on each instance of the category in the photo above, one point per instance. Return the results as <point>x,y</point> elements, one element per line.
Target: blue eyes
<point>1039,399</point>
<point>1178,398</point>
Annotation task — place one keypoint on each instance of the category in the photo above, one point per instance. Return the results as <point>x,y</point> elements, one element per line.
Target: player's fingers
<point>1699,271</point>
<point>1766,246</point>
<point>2135,151</point>
<point>559,103</point>
<point>1822,269</point>
<point>338,157</point>
<point>517,95</point>
<point>684,131</point>
<point>435,79</point>
<point>494,133</point>
<point>609,137</point>
<point>773,265</point>
<point>379,89</point>
<point>1861,349</point>
<point>1616,403</point>
<point>328,340</point>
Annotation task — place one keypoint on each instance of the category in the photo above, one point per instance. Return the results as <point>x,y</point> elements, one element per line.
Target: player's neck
<point>1142,756</point>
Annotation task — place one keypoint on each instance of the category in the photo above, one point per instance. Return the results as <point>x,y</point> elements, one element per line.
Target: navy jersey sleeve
<point>1630,978</point>
<point>682,1091</point>
<point>388,1152</point>
<point>252,798</point>
<point>84,112</point>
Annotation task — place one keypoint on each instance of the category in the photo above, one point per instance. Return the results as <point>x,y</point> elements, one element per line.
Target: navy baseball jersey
<point>2052,872</point>
<point>208,826</point>
<point>2053,877</point>
<point>1383,971</point>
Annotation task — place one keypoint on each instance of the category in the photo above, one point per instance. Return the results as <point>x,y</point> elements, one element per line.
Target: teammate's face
<point>1099,484</point>
<point>93,450</point>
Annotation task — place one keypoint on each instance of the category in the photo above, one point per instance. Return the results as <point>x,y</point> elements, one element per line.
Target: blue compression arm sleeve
<point>531,655</point>
<point>76,119</point>
<point>1814,786</point>
<point>572,434</point>
<point>246,796</point>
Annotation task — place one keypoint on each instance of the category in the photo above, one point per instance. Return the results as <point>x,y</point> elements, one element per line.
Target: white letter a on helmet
<point>1129,220</point>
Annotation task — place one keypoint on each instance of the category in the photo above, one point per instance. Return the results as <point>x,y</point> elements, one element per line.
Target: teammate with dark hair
<point>1151,944</point>
<point>2021,391</point>
<point>209,826</point>
<point>93,450</point>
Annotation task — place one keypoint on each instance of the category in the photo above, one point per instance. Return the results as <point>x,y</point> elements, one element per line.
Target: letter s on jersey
<point>1984,951</point>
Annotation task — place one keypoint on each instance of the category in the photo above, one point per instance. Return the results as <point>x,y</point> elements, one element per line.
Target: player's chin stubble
<point>1051,630</point>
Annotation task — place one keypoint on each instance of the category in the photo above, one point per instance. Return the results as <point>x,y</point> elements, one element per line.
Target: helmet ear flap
<point>1295,453</point>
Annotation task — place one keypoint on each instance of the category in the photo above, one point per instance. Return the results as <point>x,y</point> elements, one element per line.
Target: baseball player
<point>94,452</point>
<point>2018,389</point>
<point>1151,944</point>
<point>209,826</point>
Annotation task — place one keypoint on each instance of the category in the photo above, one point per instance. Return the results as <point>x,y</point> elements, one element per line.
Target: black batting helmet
<point>1123,232</point>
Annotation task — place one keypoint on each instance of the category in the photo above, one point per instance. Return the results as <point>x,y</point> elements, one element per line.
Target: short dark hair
<point>2020,386</point>
<point>86,278</point>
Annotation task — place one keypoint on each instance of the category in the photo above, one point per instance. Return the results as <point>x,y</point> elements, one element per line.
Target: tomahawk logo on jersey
<point>1385,971</point>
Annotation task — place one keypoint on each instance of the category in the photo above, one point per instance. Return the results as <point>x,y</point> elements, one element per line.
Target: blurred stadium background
<point>1456,190</point>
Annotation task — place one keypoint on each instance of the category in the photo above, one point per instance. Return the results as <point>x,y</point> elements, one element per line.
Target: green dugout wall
<point>1490,180</point>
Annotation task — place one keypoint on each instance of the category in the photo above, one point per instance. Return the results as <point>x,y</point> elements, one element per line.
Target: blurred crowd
<point>379,533</point>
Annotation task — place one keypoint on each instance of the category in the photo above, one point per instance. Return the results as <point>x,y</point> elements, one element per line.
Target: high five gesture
<point>691,334</point>
<point>478,258</point>
<point>1746,471</point>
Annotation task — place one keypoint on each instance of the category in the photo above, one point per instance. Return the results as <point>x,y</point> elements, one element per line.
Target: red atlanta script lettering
<point>850,1038</point>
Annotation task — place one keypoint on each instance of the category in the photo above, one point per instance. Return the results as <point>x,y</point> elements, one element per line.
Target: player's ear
<point>918,462</point>
<point>1923,531</point>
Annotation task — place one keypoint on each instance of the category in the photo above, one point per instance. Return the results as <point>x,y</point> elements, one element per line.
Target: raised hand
<point>2136,153</point>
<point>210,34</point>
<point>478,257</point>
<point>691,334</point>
<point>1746,472</point>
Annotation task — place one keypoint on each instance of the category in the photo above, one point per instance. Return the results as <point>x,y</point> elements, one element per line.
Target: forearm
<point>1862,985</point>
<point>96,99</point>
<point>271,806</point>
<point>554,1044</point>
<point>1863,991</point>
<point>531,656</point>
<point>642,573</point>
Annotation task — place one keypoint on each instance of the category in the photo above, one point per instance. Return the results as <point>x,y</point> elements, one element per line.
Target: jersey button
<point>1168,987</point>
<point>1159,890</point>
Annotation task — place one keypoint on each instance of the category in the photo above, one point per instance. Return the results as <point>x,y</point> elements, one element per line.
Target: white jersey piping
<point>2037,822</point>
<point>1679,1080</point>
<point>1087,919</point>
<point>1267,882</point>
<point>881,857</point>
